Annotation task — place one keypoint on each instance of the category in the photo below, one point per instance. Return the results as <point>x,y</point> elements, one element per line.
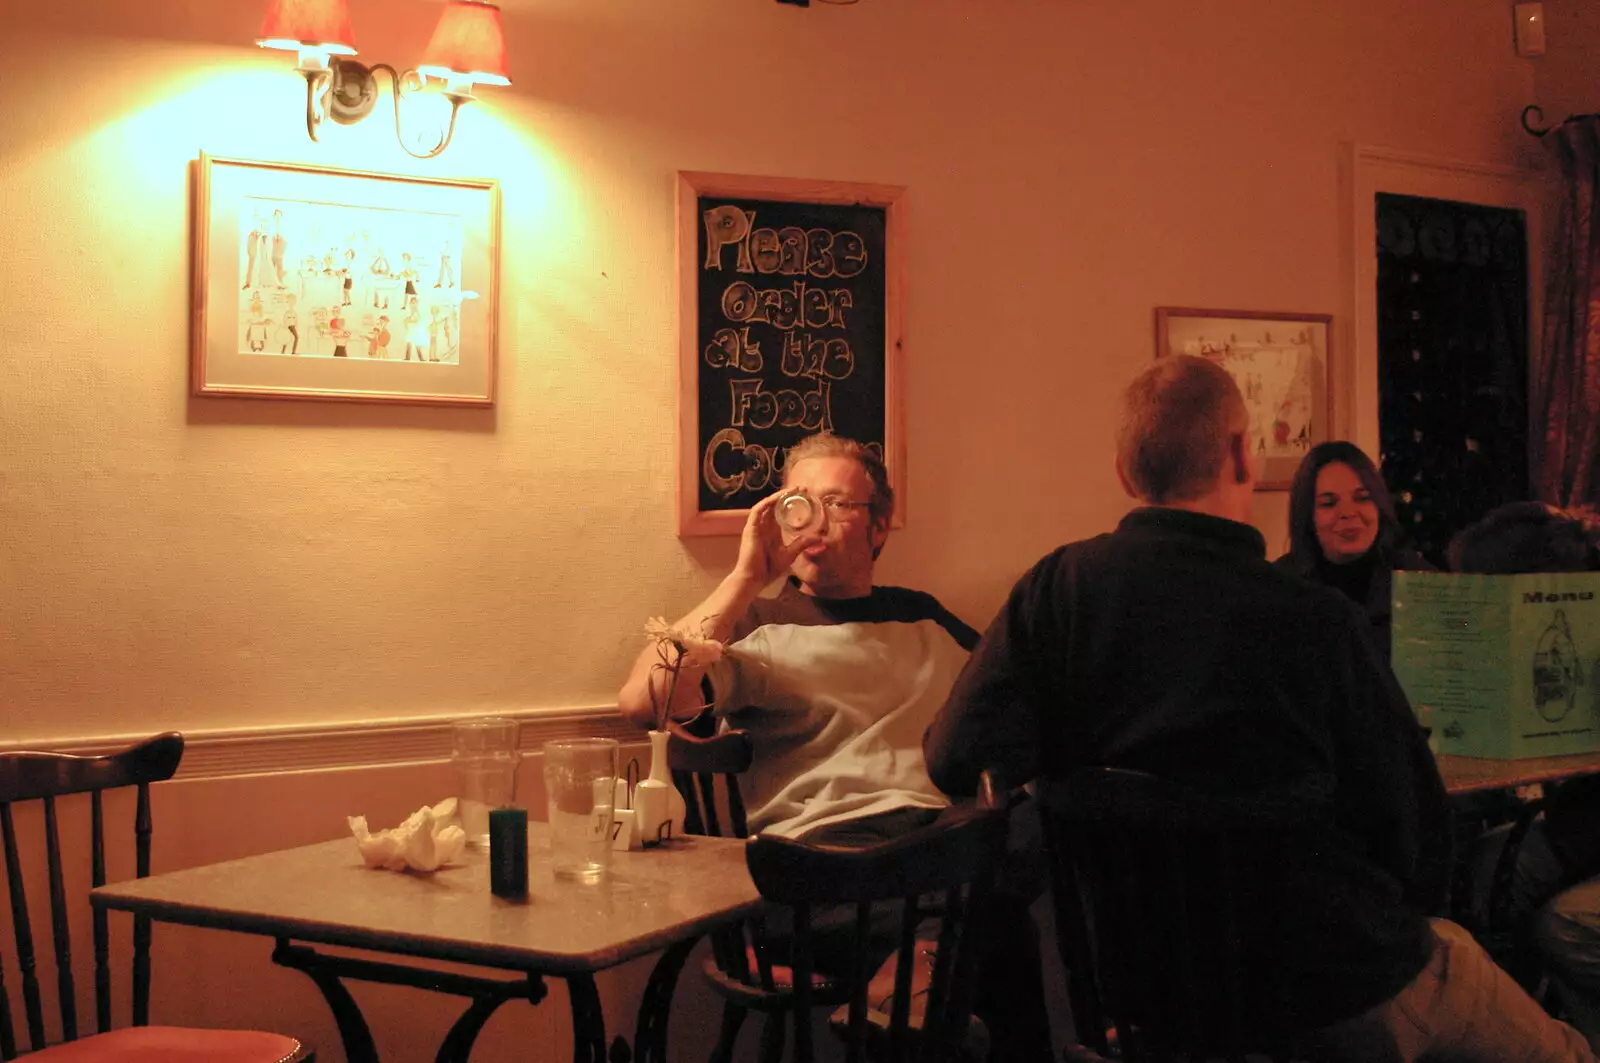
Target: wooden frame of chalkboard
<point>791,297</point>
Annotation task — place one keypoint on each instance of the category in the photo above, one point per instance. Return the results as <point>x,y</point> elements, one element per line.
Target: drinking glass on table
<point>579,779</point>
<point>485,761</point>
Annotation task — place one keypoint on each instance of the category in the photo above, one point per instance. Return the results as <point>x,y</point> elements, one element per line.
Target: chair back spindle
<point>102,932</point>
<point>59,933</point>
<point>900,1003</point>
<point>22,929</point>
<point>1167,911</point>
<point>45,777</point>
<point>142,830</point>
<point>804,966</point>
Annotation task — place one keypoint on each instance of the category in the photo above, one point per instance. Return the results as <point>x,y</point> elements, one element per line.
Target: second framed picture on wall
<point>316,283</point>
<point>1280,361</point>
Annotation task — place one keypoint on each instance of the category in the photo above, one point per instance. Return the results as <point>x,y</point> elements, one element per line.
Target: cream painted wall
<point>174,562</point>
<point>1569,72</point>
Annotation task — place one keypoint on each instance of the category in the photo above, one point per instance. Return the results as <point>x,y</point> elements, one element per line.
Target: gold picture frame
<point>1282,363</point>
<point>311,282</point>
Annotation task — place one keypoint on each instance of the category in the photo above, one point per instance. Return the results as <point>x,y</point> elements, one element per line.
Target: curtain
<point>1564,386</point>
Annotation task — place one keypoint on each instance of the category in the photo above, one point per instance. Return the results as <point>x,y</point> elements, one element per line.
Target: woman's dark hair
<point>1528,537</point>
<point>1303,545</point>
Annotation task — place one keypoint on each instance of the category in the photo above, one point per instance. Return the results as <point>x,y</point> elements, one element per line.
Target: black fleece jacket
<point>1171,646</point>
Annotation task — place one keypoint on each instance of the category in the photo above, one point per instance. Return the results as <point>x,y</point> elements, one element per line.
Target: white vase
<point>657,804</point>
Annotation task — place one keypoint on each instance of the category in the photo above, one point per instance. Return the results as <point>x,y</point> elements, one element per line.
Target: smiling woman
<point>1343,533</point>
<point>1346,514</point>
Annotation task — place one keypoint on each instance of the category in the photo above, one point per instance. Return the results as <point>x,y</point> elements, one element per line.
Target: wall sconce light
<point>467,47</point>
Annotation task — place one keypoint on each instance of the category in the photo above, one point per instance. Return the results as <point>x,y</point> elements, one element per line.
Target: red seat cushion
<point>172,1044</point>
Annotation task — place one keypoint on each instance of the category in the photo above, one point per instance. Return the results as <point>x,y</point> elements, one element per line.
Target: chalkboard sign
<point>790,314</point>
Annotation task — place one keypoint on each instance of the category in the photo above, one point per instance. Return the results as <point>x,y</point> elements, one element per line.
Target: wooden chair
<point>706,767</point>
<point>943,873</point>
<point>738,969</point>
<point>1496,928</point>
<point>44,777</point>
<point>1491,918</point>
<point>1166,913</point>
<point>697,761</point>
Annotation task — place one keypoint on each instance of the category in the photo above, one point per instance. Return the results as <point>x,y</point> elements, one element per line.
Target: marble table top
<point>324,893</point>
<point>1465,775</point>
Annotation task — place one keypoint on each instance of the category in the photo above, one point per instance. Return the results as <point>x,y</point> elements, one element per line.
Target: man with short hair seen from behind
<point>1170,646</point>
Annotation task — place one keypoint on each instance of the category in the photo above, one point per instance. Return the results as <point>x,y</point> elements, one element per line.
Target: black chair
<point>1166,912</point>
<point>1485,903</point>
<point>941,874</point>
<point>1498,930</point>
<point>739,968</point>
<point>697,761</point>
<point>45,777</point>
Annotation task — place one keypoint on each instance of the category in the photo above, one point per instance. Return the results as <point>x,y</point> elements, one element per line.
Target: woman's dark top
<point>1368,581</point>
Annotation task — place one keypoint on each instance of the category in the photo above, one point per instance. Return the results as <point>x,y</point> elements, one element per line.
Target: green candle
<point>508,852</point>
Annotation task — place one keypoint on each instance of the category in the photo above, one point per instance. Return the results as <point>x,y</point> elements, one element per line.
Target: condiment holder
<point>647,811</point>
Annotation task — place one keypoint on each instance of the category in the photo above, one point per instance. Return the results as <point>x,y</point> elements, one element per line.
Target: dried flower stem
<point>676,648</point>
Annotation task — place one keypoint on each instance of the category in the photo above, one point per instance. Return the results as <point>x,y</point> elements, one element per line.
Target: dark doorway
<point>1452,362</point>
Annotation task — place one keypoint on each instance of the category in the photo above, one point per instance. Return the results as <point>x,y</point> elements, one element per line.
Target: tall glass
<point>485,761</point>
<point>579,778</point>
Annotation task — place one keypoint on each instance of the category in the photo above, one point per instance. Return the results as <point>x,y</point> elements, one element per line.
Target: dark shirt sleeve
<point>990,720</point>
<point>1390,792</point>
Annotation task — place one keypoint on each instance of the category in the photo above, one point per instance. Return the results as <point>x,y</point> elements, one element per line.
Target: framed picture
<point>790,303</point>
<point>1281,364</point>
<point>316,283</point>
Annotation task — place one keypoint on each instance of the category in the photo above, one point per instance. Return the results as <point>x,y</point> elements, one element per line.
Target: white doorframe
<point>1364,172</point>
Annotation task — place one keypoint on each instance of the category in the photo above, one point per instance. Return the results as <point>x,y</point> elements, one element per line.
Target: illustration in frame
<point>318,283</point>
<point>1280,362</point>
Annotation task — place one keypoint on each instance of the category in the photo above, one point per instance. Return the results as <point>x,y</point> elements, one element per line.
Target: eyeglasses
<point>839,508</point>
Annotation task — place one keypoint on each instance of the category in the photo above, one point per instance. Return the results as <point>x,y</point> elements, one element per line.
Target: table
<point>1465,775</point>
<point>658,899</point>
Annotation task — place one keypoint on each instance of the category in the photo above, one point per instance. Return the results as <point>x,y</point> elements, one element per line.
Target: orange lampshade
<point>467,44</point>
<point>323,25</point>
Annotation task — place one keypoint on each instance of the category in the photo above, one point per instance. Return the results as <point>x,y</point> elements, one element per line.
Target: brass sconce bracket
<point>347,91</point>
<point>352,91</point>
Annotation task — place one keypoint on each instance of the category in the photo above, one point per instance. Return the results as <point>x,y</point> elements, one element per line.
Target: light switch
<point>1530,29</point>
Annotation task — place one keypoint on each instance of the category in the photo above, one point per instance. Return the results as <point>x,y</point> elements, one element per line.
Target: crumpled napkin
<point>429,838</point>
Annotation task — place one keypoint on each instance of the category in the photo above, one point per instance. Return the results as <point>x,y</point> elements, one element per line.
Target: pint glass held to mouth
<point>579,779</point>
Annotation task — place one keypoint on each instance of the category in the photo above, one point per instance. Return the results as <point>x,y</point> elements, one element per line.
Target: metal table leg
<point>353,1030</point>
<point>588,1022</point>
<point>486,994</point>
<point>650,1035</point>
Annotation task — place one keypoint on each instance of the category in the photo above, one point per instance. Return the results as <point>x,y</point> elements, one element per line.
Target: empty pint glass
<point>580,778</point>
<point>485,761</point>
<point>797,514</point>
